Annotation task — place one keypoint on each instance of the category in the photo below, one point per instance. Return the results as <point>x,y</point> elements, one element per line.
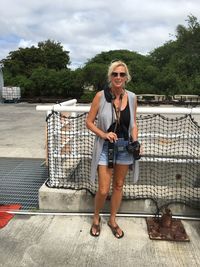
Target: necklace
<point>117,102</point>
<point>120,96</point>
<point>117,110</point>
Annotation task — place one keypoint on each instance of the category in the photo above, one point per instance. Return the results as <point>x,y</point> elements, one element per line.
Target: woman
<point>115,108</point>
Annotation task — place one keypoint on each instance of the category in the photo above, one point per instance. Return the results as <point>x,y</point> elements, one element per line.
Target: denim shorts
<point>121,155</point>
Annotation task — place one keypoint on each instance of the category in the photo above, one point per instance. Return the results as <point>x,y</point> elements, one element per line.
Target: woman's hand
<point>111,137</point>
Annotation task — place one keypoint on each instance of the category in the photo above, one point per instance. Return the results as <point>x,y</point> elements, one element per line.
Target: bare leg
<point>120,172</point>
<point>104,180</point>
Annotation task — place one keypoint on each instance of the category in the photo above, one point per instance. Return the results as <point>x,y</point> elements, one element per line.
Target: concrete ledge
<point>64,200</point>
<point>68,200</point>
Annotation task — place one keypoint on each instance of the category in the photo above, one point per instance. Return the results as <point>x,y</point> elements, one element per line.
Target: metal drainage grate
<point>20,180</point>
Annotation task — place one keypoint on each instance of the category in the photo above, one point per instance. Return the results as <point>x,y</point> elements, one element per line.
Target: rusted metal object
<point>166,228</point>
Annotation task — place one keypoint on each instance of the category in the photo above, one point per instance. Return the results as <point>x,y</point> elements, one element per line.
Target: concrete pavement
<point>65,241</point>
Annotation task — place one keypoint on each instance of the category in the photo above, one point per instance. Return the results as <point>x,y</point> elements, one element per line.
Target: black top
<point>123,126</point>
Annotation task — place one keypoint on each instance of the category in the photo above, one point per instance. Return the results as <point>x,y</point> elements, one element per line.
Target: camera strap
<point>117,112</point>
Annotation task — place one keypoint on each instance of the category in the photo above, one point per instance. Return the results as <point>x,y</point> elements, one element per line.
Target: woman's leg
<point>120,172</point>
<point>104,180</point>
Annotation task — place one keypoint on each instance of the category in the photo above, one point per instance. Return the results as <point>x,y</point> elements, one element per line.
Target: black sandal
<point>97,228</point>
<point>115,232</point>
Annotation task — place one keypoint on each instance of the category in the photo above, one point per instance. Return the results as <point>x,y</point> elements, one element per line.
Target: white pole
<point>140,110</point>
<point>55,107</point>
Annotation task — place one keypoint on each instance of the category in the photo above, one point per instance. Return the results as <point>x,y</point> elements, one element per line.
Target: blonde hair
<point>115,64</point>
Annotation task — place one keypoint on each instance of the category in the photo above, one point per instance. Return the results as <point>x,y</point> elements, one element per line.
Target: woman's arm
<point>92,116</point>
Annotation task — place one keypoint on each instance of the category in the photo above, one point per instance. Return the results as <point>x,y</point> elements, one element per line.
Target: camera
<point>134,148</point>
<point>110,154</point>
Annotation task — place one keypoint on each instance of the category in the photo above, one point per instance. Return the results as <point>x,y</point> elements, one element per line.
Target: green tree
<point>36,69</point>
<point>23,60</point>
<point>54,56</point>
<point>179,61</point>
<point>71,83</point>
<point>94,75</point>
<point>95,70</point>
<point>169,69</point>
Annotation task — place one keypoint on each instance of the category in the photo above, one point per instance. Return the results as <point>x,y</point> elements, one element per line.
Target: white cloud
<point>26,43</point>
<point>86,28</point>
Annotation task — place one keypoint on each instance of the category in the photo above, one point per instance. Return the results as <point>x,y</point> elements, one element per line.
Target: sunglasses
<point>116,74</point>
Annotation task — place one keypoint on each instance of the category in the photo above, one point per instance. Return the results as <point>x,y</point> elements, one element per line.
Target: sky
<point>86,28</point>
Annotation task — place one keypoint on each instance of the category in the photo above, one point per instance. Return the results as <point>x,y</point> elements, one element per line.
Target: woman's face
<point>118,77</point>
